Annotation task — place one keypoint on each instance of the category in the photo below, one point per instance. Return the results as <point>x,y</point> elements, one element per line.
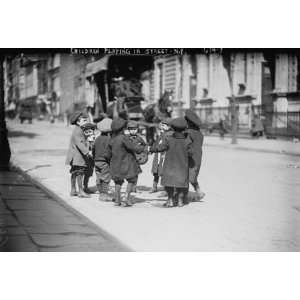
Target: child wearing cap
<point>164,130</point>
<point>101,162</point>
<point>123,165</point>
<point>175,172</point>
<point>196,137</point>
<point>77,154</point>
<point>89,133</point>
<point>132,129</point>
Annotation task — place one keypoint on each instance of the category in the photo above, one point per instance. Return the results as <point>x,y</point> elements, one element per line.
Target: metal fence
<point>285,124</point>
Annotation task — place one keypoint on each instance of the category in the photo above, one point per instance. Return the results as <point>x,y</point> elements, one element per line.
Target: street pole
<point>4,145</point>
<point>234,117</point>
<point>228,65</point>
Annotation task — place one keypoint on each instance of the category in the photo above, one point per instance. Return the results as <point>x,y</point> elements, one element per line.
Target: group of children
<point>115,154</point>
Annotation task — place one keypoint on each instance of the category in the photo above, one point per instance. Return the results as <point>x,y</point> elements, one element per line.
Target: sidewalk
<point>245,208</point>
<point>258,145</point>
<point>32,221</point>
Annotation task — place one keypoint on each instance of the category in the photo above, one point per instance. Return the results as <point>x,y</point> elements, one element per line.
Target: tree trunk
<point>4,145</point>
<point>234,116</point>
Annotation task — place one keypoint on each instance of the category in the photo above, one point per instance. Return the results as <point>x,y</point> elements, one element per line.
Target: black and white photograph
<point>150,149</point>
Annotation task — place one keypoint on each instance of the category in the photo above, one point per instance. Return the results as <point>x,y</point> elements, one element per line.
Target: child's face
<point>133,131</point>
<point>164,127</point>
<point>88,132</point>
<point>81,121</point>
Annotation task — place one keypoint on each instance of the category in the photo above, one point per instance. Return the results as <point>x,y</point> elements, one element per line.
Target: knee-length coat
<point>78,148</point>
<point>175,171</point>
<point>196,138</point>
<point>120,153</point>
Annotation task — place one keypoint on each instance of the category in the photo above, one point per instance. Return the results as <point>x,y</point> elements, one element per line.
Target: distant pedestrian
<point>196,137</point>
<point>222,128</point>
<point>164,130</point>
<point>175,173</point>
<point>78,154</point>
<point>123,164</point>
<point>101,162</point>
<point>257,127</point>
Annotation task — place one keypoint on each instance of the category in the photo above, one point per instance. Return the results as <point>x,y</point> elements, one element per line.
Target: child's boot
<point>103,196</point>
<point>73,186</point>
<point>126,200</point>
<point>154,187</point>
<point>180,201</point>
<point>117,196</point>
<point>170,192</point>
<point>86,184</point>
<point>169,203</point>
<point>81,193</point>
<point>134,188</point>
<point>200,194</point>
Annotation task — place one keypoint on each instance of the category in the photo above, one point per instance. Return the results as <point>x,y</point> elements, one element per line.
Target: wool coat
<point>120,153</point>
<point>100,146</point>
<point>197,142</point>
<point>196,138</point>
<point>78,149</point>
<point>175,171</point>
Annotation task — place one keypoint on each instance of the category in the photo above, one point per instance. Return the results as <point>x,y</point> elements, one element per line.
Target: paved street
<point>252,201</point>
<point>32,221</point>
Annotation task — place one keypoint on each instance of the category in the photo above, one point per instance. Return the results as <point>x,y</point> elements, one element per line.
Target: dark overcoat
<point>120,152</point>
<point>175,171</point>
<point>78,148</point>
<point>197,142</point>
<point>100,146</point>
<point>196,138</point>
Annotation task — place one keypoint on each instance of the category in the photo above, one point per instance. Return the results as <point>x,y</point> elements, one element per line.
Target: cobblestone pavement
<point>252,198</point>
<point>32,221</point>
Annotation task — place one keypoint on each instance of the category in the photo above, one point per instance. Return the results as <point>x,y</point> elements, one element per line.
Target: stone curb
<point>62,202</point>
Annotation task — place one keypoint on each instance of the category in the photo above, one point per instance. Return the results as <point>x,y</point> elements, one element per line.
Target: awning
<point>96,66</point>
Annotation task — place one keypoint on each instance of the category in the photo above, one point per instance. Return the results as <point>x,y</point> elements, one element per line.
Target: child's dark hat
<point>132,124</point>
<point>118,124</point>
<point>166,121</point>
<point>179,124</point>
<point>88,126</point>
<point>192,117</point>
<point>75,116</point>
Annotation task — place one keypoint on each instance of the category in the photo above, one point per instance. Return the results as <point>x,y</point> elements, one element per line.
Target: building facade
<point>261,85</point>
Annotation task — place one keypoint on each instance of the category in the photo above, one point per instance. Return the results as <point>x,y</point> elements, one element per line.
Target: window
<point>160,78</point>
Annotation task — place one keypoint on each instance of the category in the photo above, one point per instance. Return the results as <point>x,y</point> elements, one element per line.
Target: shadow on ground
<point>18,133</point>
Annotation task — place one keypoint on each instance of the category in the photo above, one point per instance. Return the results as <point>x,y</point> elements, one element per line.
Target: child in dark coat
<point>196,137</point>
<point>175,174</point>
<point>89,133</point>
<point>158,159</point>
<point>77,155</point>
<point>132,128</point>
<point>101,162</point>
<point>123,164</point>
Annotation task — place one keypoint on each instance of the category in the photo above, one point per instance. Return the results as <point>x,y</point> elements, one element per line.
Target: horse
<point>154,113</point>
